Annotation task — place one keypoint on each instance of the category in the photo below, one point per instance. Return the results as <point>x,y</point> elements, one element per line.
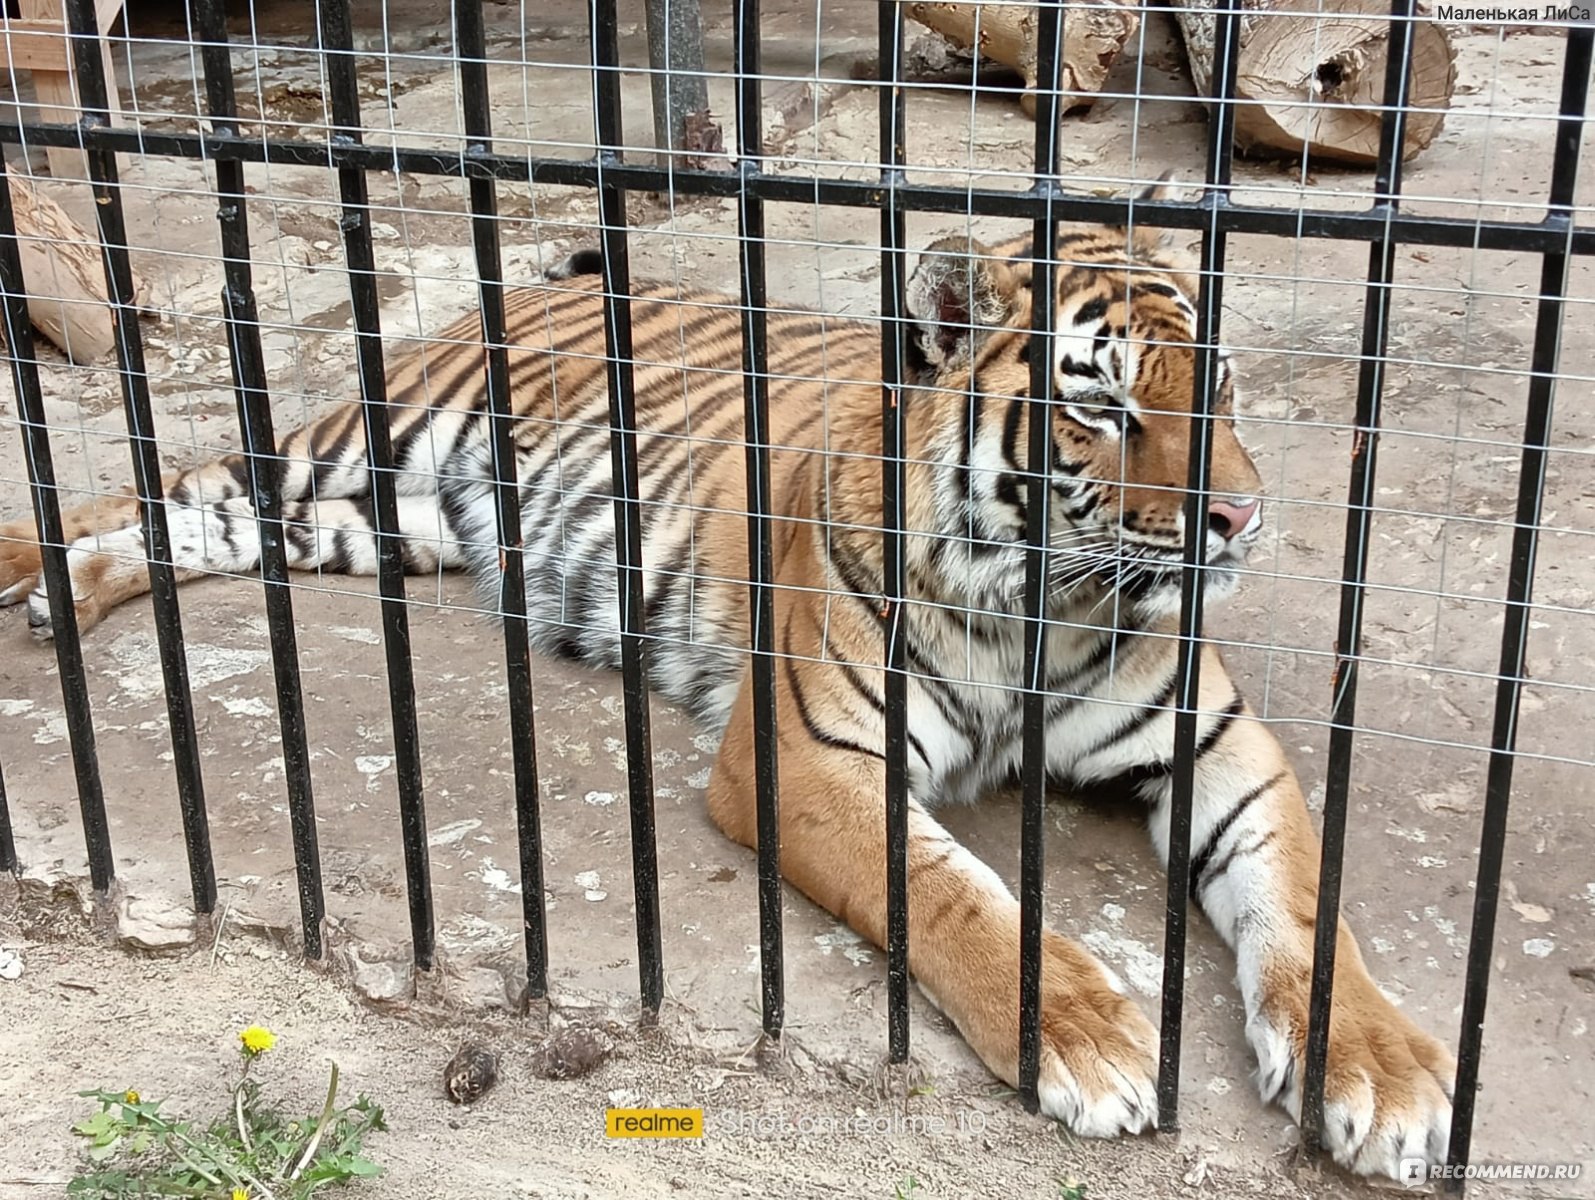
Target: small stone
<point>381,982</point>
<point>10,965</point>
<point>483,987</point>
<point>154,926</point>
<point>470,1074</point>
<point>571,1053</point>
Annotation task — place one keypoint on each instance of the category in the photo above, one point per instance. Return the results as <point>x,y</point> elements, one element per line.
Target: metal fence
<point>1381,222</point>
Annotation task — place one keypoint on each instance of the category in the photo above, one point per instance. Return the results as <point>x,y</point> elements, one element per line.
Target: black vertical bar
<point>628,510</point>
<point>93,102</point>
<point>1360,500</point>
<point>8,841</point>
<point>761,571</point>
<point>1188,682</point>
<point>265,466</point>
<point>1038,538</point>
<point>337,40</point>
<point>24,365</point>
<point>894,507</point>
<point>471,52</point>
<point>1519,594</point>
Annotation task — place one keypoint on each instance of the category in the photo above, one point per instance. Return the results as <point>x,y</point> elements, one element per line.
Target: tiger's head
<point>1123,368</point>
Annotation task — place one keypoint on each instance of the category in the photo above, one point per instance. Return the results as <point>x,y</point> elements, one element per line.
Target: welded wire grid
<point>452,165</point>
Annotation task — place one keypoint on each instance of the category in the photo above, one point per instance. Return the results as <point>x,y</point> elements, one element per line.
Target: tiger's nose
<point>1228,519</point>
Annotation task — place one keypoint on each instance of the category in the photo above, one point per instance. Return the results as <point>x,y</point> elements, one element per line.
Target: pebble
<point>154,926</point>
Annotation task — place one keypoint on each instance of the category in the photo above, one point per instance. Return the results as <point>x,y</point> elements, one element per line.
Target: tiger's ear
<point>1148,239</point>
<point>956,295</point>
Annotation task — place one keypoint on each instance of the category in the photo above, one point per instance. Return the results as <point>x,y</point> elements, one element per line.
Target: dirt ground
<point>91,1017</point>
<point>1461,332</point>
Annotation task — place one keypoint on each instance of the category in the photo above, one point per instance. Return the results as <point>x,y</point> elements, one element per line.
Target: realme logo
<point>653,1122</point>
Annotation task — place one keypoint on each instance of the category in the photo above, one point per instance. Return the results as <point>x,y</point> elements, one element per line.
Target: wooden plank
<point>56,98</point>
<point>33,45</point>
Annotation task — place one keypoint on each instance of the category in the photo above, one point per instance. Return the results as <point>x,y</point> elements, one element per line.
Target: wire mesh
<point>291,212</point>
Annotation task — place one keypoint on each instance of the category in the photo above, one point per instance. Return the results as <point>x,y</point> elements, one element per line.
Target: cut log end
<point>1315,83</point>
<point>1326,98</point>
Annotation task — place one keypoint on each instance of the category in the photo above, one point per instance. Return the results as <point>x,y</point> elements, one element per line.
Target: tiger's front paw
<point>1098,1068</point>
<point>1098,1065</point>
<point>1098,1050</point>
<point>1387,1086</point>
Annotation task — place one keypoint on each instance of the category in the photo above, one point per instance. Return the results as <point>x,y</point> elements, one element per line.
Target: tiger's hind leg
<point>105,545</point>
<point>209,518</point>
<point>21,561</point>
<point>337,536</point>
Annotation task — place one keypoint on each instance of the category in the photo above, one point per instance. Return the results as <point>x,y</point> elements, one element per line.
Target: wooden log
<point>67,300</point>
<point>1314,80</point>
<point>1006,33</point>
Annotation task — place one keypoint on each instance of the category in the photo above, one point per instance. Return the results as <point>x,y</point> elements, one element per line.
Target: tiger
<point>1124,363</point>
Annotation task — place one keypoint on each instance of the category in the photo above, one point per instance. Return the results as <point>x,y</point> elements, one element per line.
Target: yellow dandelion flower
<point>240,1194</point>
<point>257,1040</point>
<point>130,1097</point>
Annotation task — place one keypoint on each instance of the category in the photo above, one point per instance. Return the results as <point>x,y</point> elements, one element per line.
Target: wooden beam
<point>56,97</point>
<point>35,45</point>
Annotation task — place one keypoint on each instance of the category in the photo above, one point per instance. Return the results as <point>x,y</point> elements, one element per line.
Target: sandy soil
<point>83,1016</point>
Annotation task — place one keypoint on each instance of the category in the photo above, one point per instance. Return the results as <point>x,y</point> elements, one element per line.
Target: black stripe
<point>582,445</point>
<point>1135,777</point>
<point>1217,867</point>
<point>237,466</point>
<point>338,561</point>
<point>1201,860</point>
<point>850,569</point>
<point>939,688</point>
<point>1084,506</point>
<point>326,458</point>
<point>1139,721</point>
<point>663,580</point>
<point>1220,727</point>
<point>1010,433</point>
<point>659,451</point>
<point>878,704</point>
<point>301,537</point>
<point>814,731</point>
<point>1154,289</point>
<point>1092,310</point>
<point>1008,493</point>
<point>974,402</point>
<point>1106,650</point>
<point>1062,465</point>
